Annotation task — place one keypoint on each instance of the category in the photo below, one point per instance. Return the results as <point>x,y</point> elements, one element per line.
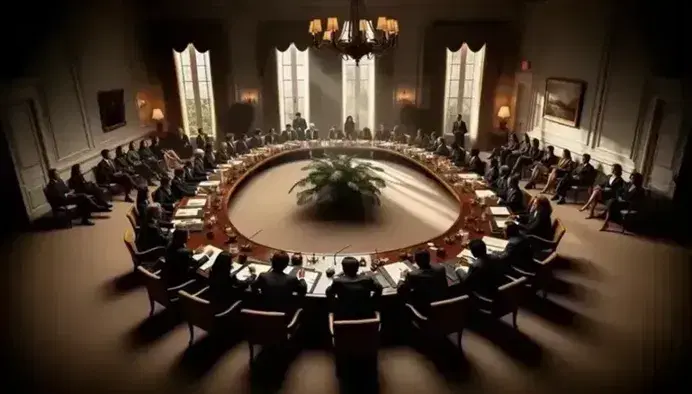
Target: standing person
<point>350,128</point>
<point>459,130</point>
<point>300,126</point>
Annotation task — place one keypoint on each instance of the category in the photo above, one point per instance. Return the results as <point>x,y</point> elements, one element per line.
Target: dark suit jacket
<point>515,200</point>
<point>209,161</point>
<point>491,175</point>
<point>179,266</point>
<point>300,124</point>
<point>150,236</point>
<point>484,276</point>
<point>121,164</point>
<point>458,157</point>
<point>549,160</point>
<point>181,189</point>
<point>476,165</point>
<point>424,286</point>
<point>500,187</point>
<point>535,154</point>
<point>165,197</point>
<point>354,298</point>
<point>442,150</point>
<point>241,147</point>
<point>105,171</point>
<point>538,223</point>
<point>222,156</point>
<point>198,169</point>
<point>223,290</point>
<point>585,174</point>
<point>277,291</point>
<point>56,192</point>
<point>518,253</point>
<point>613,188</point>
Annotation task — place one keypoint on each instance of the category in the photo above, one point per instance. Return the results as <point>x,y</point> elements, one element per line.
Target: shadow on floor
<point>449,360</point>
<point>357,374</point>
<point>511,340</point>
<point>152,329</point>
<point>199,358</point>
<point>561,316</point>
<point>121,285</point>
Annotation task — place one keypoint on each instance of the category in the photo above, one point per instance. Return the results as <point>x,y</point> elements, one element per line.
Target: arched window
<point>463,82</point>
<point>293,70</point>
<point>193,70</point>
<point>359,92</point>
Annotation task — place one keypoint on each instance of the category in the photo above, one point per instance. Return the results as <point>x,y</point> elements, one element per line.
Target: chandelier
<point>357,38</point>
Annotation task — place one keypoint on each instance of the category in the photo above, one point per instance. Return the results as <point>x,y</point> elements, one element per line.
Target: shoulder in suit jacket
<point>424,286</point>
<point>277,290</point>
<point>515,200</point>
<point>354,297</point>
<point>518,253</point>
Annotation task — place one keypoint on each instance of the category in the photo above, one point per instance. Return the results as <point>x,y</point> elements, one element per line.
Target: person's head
<point>53,174</point>
<point>585,158</point>
<point>200,131</point>
<point>419,133</point>
<point>181,132</point>
<point>297,115</point>
<point>223,145</point>
<point>566,154</point>
<point>280,261</point>
<point>178,172</point>
<point>527,139</point>
<point>199,152</point>
<point>153,141</point>
<point>366,130</point>
<point>312,126</point>
<point>258,132</point>
<point>132,145</point>
<point>350,266</point>
<point>106,154</point>
<point>504,171</point>
<point>616,170</point>
<point>535,143</point>
<point>288,126</point>
<point>272,131</point>
<point>296,259</point>
<point>513,182</point>
<point>478,248</point>
<point>165,181</point>
<point>230,137</point>
<point>119,151</point>
<point>381,126</point>
<point>494,162</point>
<point>514,138</point>
<point>222,265</point>
<point>179,238</point>
<point>153,213</point>
<point>76,171</point>
<point>637,179</point>
<point>512,230</point>
<point>475,152</point>
<point>458,117</point>
<point>541,203</point>
<point>441,141</point>
<point>551,150</point>
<point>349,118</point>
<point>208,148</point>
<point>422,258</point>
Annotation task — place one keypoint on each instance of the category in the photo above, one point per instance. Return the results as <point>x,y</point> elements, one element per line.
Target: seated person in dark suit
<point>143,168</point>
<point>493,172</point>
<point>106,173</point>
<point>271,138</point>
<point>256,140</point>
<point>179,265</point>
<point>155,147</point>
<point>366,134</point>
<point>80,185</point>
<point>382,134</point>
<point>542,167</point>
<point>424,285</point>
<point>209,158</point>
<point>420,140</point>
<point>180,143</point>
<point>149,158</point>
<point>230,145</point>
<point>514,196</point>
<point>180,187</point>
<point>198,167</point>
<point>278,290</point>
<point>164,196</point>
<point>486,273</point>
<point>194,174</point>
<point>353,296</point>
<point>504,151</point>
<point>241,145</point>
<point>502,183</point>
<point>475,164</point>
<point>201,140</point>
<point>583,175</point>
<point>632,196</point>
<point>458,156</point>
<point>522,150</point>
<point>222,155</point>
<point>151,232</point>
<point>224,288</point>
<point>518,252</point>
<point>538,220</point>
<point>141,203</point>
<point>563,167</point>
<point>442,149</point>
<point>527,157</point>
<point>610,188</point>
<point>122,164</point>
<point>312,133</point>
<point>59,195</point>
<point>434,142</point>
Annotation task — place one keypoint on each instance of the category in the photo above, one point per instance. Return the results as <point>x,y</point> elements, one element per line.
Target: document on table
<point>485,194</point>
<point>499,211</point>
<point>469,176</point>
<point>310,278</point>
<point>245,272</point>
<point>196,202</point>
<point>495,244</point>
<point>395,271</point>
<point>188,213</point>
<point>188,224</point>
<point>209,183</point>
<point>466,254</point>
<point>215,253</point>
<point>501,223</point>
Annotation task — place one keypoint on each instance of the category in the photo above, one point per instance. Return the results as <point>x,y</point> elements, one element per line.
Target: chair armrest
<point>524,273</point>
<point>331,324</point>
<point>537,238</point>
<point>294,321</point>
<point>480,297</point>
<point>202,290</point>
<point>180,287</point>
<point>415,312</point>
<point>229,310</point>
<point>157,273</point>
<point>154,249</point>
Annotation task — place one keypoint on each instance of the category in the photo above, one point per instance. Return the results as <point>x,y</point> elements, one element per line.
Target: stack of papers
<point>485,194</point>
<point>499,211</point>
<point>244,273</point>
<point>196,202</point>
<point>188,224</point>
<point>470,176</point>
<point>396,270</point>
<point>209,184</point>
<point>215,253</point>
<point>495,244</point>
<point>188,213</point>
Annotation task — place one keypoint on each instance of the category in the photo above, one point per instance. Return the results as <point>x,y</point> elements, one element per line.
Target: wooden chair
<point>199,312</point>
<point>542,246</point>
<point>540,280</point>
<point>355,337</point>
<point>158,292</point>
<point>64,215</point>
<point>585,188</point>
<point>267,328</point>
<point>133,219</point>
<point>148,258</point>
<point>506,302</point>
<point>445,317</point>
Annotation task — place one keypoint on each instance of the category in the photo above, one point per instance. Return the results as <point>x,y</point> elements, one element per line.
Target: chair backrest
<point>196,311</point>
<point>129,239</point>
<point>264,327</point>
<point>509,296</point>
<point>132,218</point>
<point>51,201</point>
<point>156,288</point>
<point>559,231</point>
<point>448,316</point>
<point>357,336</point>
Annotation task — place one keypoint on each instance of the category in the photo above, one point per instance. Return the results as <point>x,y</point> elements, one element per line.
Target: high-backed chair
<point>538,281</point>
<point>507,301</point>
<point>158,292</point>
<point>63,214</point>
<point>267,328</point>
<point>199,312</point>
<point>132,218</point>
<point>147,258</point>
<point>542,246</point>
<point>355,337</point>
<point>445,317</point>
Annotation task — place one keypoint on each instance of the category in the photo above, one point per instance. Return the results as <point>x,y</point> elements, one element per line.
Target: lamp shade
<point>157,114</point>
<point>503,113</point>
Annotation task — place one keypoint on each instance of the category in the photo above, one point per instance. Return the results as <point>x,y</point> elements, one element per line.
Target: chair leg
<point>151,307</point>
<point>252,353</point>
<point>514,318</point>
<point>192,334</point>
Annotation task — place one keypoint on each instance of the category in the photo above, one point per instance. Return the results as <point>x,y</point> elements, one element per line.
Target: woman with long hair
<point>565,165</point>
<point>225,288</point>
<point>538,221</point>
<point>350,128</point>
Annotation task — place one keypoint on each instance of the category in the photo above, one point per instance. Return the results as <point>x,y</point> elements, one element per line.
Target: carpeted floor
<point>620,309</point>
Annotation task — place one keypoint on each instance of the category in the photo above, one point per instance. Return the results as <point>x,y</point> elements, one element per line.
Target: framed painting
<point>111,109</point>
<point>563,100</point>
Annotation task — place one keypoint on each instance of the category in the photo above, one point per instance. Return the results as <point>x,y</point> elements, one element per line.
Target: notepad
<point>499,211</point>
<point>215,253</point>
<point>244,273</point>
<point>469,176</point>
<point>466,254</point>
<point>188,213</point>
<point>395,271</point>
<point>485,193</point>
<point>209,183</point>
<point>501,223</point>
<point>188,224</point>
<point>495,243</point>
<point>196,202</point>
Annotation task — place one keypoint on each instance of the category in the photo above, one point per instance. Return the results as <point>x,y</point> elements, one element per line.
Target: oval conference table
<point>218,232</point>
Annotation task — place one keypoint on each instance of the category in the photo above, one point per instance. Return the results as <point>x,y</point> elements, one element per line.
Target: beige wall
<point>584,40</point>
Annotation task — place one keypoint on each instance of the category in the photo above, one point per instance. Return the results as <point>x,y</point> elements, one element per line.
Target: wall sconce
<point>249,96</point>
<point>405,95</point>
<point>504,114</point>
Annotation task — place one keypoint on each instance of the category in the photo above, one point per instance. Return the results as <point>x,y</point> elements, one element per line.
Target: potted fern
<point>340,184</point>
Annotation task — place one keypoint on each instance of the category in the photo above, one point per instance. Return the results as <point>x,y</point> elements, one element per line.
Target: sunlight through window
<point>293,71</point>
<point>193,70</point>
<point>463,82</point>
<point>359,92</point>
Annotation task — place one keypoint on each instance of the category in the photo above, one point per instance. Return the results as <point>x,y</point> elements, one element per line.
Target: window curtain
<point>206,35</point>
<point>385,105</point>
<point>501,45</point>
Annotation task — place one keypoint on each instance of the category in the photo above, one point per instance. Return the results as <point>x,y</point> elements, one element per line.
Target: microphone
<point>339,251</point>
<point>253,235</point>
